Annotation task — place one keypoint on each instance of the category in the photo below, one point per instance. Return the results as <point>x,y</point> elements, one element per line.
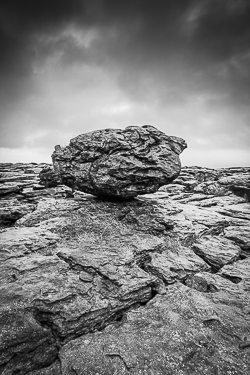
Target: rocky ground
<point>151,286</point>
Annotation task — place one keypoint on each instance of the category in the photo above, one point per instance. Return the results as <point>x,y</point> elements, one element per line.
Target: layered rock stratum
<point>156,285</point>
<point>119,163</point>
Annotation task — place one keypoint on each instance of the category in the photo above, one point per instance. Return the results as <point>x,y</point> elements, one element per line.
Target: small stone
<point>38,187</point>
<point>86,277</point>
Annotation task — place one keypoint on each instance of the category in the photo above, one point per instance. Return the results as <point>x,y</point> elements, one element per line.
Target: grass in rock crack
<point>92,228</point>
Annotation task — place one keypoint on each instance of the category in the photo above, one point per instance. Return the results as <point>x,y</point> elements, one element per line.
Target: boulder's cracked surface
<point>156,285</point>
<point>119,163</point>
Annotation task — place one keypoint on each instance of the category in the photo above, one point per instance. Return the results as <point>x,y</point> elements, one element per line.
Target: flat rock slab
<point>17,242</point>
<point>217,251</point>
<point>15,177</point>
<point>43,291</point>
<point>171,266</point>
<point>177,333</point>
<point>240,211</point>
<point>56,290</point>
<point>222,291</point>
<point>119,163</point>
<point>237,179</point>
<point>238,272</point>
<point>216,201</point>
<point>48,208</point>
<point>240,235</point>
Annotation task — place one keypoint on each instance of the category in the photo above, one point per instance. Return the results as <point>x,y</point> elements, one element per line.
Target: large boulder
<point>119,163</point>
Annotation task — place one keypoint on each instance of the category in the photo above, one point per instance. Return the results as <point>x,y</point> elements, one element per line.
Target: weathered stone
<point>190,222</point>
<point>48,208</point>
<point>13,210</point>
<point>210,201</point>
<point>172,189</point>
<point>194,198</point>
<point>238,272</point>
<point>49,178</point>
<point>54,369</point>
<point>17,242</point>
<point>24,344</point>
<point>240,235</point>
<point>211,187</point>
<point>119,163</point>
<point>57,296</point>
<point>182,332</point>
<point>15,177</point>
<point>236,179</point>
<point>10,188</point>
<point>221,290</point>
<point>241,211</point>
<point>171,266</point>
<point>217,251</point>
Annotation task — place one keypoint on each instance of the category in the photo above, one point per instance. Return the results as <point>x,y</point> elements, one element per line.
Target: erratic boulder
<point>119,163</point>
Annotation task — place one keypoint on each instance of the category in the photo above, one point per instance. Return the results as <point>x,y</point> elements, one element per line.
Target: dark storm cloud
<point>20,21</point>
<point>146,31</point>
<point>206,44</point>
<point>162,54</point>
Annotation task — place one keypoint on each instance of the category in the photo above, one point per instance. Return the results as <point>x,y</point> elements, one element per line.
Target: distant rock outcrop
<point>119,163</point>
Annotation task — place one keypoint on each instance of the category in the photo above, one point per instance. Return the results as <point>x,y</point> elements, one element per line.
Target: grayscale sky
<point>71,66</point>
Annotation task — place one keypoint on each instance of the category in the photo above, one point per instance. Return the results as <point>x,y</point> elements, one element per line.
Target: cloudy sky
<point>72,66</point>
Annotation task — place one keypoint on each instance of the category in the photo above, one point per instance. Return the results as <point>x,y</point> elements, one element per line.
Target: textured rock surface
<point>119,163</point>
<point>181,332</point>
<point>217,251</point>
<point>48,177</point>
<point>156,285</point>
